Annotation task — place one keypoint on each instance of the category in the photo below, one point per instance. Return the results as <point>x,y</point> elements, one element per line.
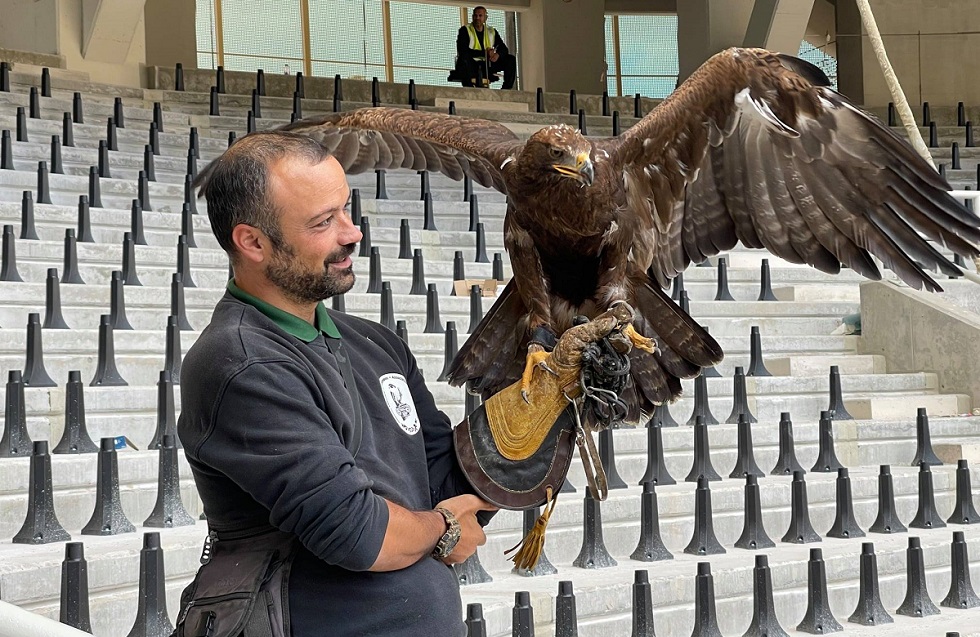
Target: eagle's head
<point>560,149</point>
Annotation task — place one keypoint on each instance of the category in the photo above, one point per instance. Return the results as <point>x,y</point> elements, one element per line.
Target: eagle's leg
<point>536,357</point>
<point>639,340</point>
<point>543,340</point>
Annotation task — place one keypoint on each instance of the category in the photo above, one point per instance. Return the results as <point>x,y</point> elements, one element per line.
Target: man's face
<point>314,263</point>
<point>479,18</point>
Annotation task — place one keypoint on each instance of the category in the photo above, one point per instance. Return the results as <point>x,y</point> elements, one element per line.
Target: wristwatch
<point>446,544</point>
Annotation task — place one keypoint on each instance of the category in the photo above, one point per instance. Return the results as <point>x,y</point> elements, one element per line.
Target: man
<point>479,46</point>
<point>347,461</point>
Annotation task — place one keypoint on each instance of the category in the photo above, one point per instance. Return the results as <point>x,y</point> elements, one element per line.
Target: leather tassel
<point>530,548</point>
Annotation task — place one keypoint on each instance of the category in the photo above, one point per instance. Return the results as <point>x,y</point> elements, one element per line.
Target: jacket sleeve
<point>270,438</point>
<point>463,44</point>
<point>446,479</point>
<point>498,44</point>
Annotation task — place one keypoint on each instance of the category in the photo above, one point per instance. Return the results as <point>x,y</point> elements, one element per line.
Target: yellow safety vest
<point>489,38</point>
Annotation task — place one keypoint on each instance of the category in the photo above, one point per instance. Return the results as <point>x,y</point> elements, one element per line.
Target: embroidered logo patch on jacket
<point>399,400</point>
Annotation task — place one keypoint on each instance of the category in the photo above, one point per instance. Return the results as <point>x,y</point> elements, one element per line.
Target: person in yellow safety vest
<point>478,45</point>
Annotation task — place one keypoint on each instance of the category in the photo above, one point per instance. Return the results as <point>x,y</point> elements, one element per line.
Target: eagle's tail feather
<point>676,329</point>
<point>493,355</point>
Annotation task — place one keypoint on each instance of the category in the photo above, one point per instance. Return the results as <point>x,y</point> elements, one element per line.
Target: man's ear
<point>250,242</point>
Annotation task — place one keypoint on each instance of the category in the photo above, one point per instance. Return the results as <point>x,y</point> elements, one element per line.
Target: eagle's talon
<point>543,365</point>
<point>640,341</point>
<point>535,357</point>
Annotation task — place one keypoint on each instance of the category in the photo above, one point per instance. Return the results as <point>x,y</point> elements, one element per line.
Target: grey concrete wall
<point>641,6</point>
<point>921,332</point>
<point>930,43</point>
<point>171,35</point>
<point>126,67</point>
<point>563,45</point>
<point>705,27</point>
<point>850,56</point>
<point>821,30</point>
<point>789,25</point>
<point>29,25</point>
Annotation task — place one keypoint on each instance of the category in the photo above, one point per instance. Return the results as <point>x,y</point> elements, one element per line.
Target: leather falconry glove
<point>516,450</point>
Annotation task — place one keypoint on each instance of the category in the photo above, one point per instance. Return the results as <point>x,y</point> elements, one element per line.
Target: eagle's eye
<point>554,152</point>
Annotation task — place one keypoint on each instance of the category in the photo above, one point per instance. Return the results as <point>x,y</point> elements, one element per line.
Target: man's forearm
<point>499,45</point>
<point>411,535</point>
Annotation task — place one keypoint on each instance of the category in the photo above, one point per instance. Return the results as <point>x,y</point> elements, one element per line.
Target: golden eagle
<point>754,148</point>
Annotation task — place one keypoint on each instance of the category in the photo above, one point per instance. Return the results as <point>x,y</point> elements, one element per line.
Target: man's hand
<point>465,508</point>
<point>492,54</point>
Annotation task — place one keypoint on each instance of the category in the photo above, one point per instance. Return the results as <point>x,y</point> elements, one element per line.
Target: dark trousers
<point>506,64</point>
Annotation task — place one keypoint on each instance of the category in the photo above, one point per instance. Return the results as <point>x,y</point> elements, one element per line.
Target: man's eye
<point>325,222</point>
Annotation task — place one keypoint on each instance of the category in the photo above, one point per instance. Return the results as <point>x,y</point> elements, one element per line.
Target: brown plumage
<point>752,148</point>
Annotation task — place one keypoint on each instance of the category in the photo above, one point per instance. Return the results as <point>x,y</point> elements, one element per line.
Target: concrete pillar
<point>29,25</point>
<point>850,55</point>
<point>92,40</point>
<point>171,33</point>
<point>705,27</point>
<point>103,38</point>
<point>563,45</point>
<point>779,25</point>
<point>109,28</point>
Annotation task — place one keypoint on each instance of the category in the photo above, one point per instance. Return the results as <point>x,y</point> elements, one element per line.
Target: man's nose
<point>352,233</point>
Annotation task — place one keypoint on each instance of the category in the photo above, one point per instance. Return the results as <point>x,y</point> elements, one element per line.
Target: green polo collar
<point>290,323</point>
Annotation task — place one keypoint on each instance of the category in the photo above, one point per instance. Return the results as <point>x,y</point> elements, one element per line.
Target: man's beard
<point>305,286</point>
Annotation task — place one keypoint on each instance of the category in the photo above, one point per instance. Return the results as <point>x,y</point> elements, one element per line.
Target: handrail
<point>17,622</point>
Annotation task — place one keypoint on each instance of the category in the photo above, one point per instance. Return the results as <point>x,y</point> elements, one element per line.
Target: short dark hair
<point>236,184</point>
<point>478,7</point>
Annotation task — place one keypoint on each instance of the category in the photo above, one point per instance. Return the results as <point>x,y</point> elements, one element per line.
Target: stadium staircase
<point>789,366</point>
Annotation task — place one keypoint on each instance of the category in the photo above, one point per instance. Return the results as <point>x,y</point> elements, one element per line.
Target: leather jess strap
<point>336,347</point>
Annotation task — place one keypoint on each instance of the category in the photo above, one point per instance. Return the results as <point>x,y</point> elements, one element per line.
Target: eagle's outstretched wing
<point>386,138</point>
<point>753,148</point>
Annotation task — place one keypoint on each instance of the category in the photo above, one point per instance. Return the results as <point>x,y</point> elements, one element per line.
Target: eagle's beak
<point>582,172</point>
<point>585,169</point>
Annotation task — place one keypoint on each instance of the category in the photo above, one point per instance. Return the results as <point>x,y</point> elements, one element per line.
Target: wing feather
<point>383,138</point>
<point>756,148</point>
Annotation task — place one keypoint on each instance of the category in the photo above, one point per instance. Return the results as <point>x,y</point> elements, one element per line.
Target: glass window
<point>262,35</point>
<point>646,61</point>
<point>611,68</point>
<point>826,63</point>
<point>428,60</point>
<point>207,40</point>
<point>346,37</point>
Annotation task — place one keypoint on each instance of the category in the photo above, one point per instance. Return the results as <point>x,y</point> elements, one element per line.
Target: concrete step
<point>83,86</point>
<point>620,513</point>
<point>21,72</point>
<point>603,597</point>
<point>131,139</point>
<point>875,407</point>
<point>828,292</point>
<point>135,114</point>
<point>858,443</point>
<point>74,492</point>
<point>818,365</point>
<point>463,106</point>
